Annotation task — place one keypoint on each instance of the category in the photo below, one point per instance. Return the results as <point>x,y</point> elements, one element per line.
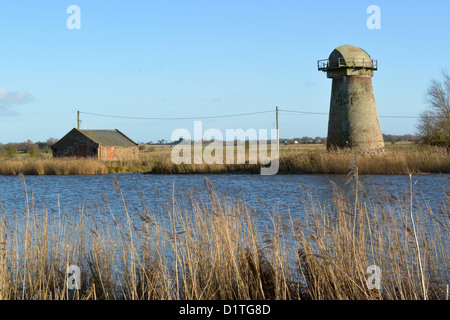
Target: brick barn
<point>100,144</point>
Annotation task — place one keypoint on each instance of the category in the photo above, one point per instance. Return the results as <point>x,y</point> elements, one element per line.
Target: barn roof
<point>109,138</point>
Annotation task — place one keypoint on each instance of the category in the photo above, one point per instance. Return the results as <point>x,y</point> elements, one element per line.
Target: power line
<point>289,112</point>
<point>178,118</point>
<point>304,112</point>
<point>402,117</point>
<point>380,116</point>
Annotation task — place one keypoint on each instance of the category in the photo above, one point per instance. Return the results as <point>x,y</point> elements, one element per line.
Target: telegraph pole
<point>78,120</point>
<point>278,134</point>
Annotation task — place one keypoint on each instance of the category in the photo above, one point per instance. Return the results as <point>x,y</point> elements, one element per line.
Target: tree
<point>51,141</point>
<point>11,151</point>
<point>434,123</point>
<point>32,150</point>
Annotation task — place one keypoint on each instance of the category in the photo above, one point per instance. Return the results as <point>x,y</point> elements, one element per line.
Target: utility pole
<point>278,134</point>
<point>78,120</point>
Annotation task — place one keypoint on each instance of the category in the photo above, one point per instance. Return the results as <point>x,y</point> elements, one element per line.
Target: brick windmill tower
<point>353,121</point>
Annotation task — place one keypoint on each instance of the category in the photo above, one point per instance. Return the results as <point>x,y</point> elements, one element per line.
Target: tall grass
<point>402,161</point>
<point>52,166</point>
<point>342,242</point>
<point>209,246</point>
<point>416,161</point>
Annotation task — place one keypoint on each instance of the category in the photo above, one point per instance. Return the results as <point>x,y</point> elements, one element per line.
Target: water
<point>276,192</point>
<point>279,193</point>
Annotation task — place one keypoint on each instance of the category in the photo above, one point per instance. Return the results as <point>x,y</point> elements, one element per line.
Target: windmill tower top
<point>348,60</point>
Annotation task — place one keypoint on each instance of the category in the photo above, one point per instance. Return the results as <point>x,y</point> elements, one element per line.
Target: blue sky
<point>203,58</point>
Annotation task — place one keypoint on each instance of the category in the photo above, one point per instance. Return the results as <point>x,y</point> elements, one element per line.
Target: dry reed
<point>213,247</point>
<point>53,166</point>
<point>401,161</point>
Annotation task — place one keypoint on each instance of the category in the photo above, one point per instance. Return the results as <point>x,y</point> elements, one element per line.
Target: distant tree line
<point>33,149</point>
<point>400,138</point>
<point>303,140</point>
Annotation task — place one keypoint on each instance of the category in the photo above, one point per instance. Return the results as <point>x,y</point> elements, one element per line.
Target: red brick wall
<point>118,153</point>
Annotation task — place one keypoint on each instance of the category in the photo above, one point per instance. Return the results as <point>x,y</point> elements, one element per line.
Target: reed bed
<point>417,161</point>
<point>399,161</point>
<point>53,166</point>
<point>209,246</point>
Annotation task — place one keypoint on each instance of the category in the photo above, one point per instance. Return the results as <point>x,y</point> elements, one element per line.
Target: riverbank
<point>420,160</point>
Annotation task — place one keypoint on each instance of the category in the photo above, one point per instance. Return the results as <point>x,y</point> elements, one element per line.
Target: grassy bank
<point>393,161</point>
<point>213,247</point>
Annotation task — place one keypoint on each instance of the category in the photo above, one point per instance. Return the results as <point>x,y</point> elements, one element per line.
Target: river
<point>278,192</point>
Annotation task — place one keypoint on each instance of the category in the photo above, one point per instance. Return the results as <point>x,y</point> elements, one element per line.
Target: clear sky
<point>192,58</point>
